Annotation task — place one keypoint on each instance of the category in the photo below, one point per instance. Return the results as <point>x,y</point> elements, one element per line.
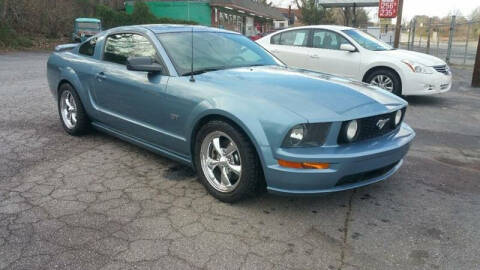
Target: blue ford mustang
<point>236,114</point>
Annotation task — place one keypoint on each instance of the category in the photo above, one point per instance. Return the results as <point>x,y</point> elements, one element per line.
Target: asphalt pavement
<point>96,202</point>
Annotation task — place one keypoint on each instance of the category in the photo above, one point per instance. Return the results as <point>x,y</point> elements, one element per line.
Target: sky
<point>418,7</point>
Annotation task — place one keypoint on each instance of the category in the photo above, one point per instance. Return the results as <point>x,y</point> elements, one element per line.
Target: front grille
<point>369,128</point>
<point>365,176</point>
<point>442,69</point>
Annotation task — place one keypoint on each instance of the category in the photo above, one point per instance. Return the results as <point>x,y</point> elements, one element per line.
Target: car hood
<point>315,96</point>
<point>421,58</point>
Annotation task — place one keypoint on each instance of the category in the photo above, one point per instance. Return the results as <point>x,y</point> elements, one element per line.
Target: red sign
<point>387,8</point>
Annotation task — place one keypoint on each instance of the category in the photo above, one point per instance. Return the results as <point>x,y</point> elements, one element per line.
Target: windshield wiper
<point>203,70</point>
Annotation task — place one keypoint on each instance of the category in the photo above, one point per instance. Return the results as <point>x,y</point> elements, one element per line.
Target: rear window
<point>88,25</point>
<point>291,38</point>
<point>88,48</point>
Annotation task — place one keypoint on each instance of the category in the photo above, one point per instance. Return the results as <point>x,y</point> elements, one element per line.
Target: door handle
<point>101,76</point>
<point>314,56</point>
<point>275,51</point>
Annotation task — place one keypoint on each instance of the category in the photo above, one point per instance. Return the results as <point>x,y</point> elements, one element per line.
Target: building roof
<point>250,7</point>
<point>348,3</point>
<point>284,11</point>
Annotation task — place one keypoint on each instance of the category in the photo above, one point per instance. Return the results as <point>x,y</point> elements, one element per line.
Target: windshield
<point>88,25</point>
<point>367,41</point>
<point>213,51</point>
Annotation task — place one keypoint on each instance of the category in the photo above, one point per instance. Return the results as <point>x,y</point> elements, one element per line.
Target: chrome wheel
<point>383,82</point>
<point>68,109</point>
<point>220,161</point>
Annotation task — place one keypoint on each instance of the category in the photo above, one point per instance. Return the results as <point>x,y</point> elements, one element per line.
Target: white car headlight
<point>417,67</point>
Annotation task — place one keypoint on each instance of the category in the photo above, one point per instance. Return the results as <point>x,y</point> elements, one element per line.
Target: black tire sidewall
<point>249,160</point>
<point>397,84</point>
<point>81,126</point>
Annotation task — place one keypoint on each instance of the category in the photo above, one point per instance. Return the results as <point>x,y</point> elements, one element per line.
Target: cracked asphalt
<point>95,202</point>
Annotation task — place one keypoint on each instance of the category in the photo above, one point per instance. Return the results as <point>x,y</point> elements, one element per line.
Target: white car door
<point>324,55</point>
<point>290,47</point>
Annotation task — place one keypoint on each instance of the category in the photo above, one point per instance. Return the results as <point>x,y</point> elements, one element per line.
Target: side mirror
<point>348,48</point>
<point>143,63</point>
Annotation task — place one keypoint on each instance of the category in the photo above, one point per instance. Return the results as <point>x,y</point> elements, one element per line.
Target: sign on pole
<point>387,8</point>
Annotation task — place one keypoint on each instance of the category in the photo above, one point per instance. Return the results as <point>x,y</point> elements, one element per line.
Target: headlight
<point>398,117</point>
<point>306,135</point>
<point>296,135</point>
<point>417,67</point>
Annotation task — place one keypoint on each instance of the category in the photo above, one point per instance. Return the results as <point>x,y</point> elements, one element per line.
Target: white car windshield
<point>367,41</point>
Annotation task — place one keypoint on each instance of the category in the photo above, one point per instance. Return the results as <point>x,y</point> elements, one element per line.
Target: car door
<point>132,102</point>
<point>325,55</point>
<point>289,46</point>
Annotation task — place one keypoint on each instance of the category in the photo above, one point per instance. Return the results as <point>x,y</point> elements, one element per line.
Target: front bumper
<point>427,84</point>
<point>351,166</point>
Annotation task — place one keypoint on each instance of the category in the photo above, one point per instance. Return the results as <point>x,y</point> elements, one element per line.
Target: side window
<point>119,47</point>
<point>88,48</point>
<point>325,39</point>
<point>275,39</point>
<point>294,38</point>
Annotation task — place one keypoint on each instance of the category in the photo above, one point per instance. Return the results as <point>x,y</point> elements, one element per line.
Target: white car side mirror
<point>348,48</point>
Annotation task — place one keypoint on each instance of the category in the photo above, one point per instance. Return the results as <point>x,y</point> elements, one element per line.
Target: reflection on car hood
<point>421,58</point>
<point>315,96</point>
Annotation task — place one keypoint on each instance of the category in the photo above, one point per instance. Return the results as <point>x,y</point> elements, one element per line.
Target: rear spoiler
<point>66,47</point>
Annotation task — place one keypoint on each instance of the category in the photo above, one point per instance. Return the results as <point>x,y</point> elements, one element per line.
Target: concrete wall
<point>193,11</point>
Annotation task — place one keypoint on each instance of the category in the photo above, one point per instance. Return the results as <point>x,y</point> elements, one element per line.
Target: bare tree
<point>4,10</point>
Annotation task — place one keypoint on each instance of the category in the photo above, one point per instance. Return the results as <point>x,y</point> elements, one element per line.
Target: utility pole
<point>450,38</point>
<point>398,26</point>
<point>429,33</point>
<point>476,68</point>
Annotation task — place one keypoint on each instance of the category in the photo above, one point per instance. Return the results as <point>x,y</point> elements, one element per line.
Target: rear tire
<point>388,77</point>
<point>70,109</point>
<point>226,162</point>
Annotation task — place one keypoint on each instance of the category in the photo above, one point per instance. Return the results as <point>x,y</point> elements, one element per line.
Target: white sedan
<point>352,53</point>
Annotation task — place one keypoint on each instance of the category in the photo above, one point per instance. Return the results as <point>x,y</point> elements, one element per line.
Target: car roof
<point>87,20</point>
<point>169,28</point>
<point>328,27</point>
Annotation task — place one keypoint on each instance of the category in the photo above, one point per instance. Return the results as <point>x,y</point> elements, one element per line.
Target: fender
<point>249,120</point>
<point>383,64</point>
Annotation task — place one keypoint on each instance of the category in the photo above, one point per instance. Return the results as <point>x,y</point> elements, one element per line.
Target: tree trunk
<point>4,10</point>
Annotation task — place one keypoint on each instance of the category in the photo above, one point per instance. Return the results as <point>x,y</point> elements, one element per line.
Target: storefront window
<point>230,21</point>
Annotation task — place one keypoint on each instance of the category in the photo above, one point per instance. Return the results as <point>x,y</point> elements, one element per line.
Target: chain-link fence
<point>454,41</point>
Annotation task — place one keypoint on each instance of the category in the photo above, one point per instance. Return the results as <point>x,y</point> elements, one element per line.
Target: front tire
<point>385,79</point>
<point>226,161</point>
<point>72,114</point>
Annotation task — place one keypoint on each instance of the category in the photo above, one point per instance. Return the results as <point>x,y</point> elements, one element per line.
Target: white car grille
<point>442,69</point>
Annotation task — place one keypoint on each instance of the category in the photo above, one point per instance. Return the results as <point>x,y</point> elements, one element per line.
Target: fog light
<point>398,117</point>
<point>429,87</point>
<point>303,165</point>
<point>352,128</point>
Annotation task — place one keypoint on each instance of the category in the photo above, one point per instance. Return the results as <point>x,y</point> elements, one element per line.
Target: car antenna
<point>192,79</point>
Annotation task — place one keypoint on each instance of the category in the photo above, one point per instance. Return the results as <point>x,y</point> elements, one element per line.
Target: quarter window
<point>88,48</point>
<point>275,39</point>
<point>119,47</point>
<point>325,39</point>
